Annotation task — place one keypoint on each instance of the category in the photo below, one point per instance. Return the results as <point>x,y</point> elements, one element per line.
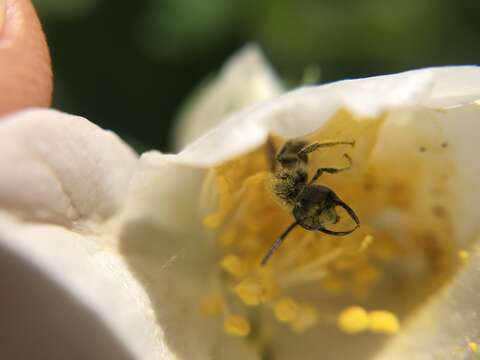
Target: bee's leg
<point>320,171</point>
<point>277,243</point>
<point>338,233</point>
<point>317,145</point>
<point>271,154</point>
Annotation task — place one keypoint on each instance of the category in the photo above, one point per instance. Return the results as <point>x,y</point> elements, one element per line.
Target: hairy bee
<point>313,206</point>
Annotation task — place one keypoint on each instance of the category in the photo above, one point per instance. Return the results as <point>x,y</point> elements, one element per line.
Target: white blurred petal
<point>245,79</point>
<point>81,293</point>
<point>61,168</point>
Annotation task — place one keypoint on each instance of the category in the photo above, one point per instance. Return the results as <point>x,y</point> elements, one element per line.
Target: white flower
<point>117,254</point>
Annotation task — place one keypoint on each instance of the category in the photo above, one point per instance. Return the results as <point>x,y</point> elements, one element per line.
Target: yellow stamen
<point>353,320</point>
<point>306,318</point>
<point>233,265</point>
<point>213,221</point>
<point>473,346</point>
<point>464,255</point>
<point>385,322</point>
<point>366,242</point>
<point>246,218</point>
<point>251,291</point>
<point>286,310</point>
<point>236,325</point>
<point>212,305</point>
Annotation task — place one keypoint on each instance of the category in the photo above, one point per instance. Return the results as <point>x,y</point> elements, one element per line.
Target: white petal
<point>71,298</point>
<point>61,168</point>
<point>305,110</point>
<point>64,178</point>
<point>410,100</point>
<point>245,79</point>
<point>443,328</point>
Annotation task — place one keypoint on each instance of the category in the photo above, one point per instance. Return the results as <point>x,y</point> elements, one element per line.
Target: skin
<point>25,66</point>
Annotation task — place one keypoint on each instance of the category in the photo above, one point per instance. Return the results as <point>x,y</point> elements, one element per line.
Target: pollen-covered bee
<point>313,206</point>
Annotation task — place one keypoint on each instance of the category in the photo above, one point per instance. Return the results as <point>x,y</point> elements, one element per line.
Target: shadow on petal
<point>41,320</point>
<point>175,276</point>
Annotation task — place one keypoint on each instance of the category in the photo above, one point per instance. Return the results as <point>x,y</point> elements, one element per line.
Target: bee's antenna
<point>277,243</point>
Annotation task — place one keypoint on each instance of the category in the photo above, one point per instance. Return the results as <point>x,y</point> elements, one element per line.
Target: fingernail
<point>2,13</point>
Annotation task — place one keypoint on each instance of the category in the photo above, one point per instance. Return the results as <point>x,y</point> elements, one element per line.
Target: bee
<point>313,206</point>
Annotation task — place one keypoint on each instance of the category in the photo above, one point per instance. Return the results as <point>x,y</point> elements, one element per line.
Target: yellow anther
<point>251,291</point>
<point>464,255</point>
<point>214,220</point>
<point>385,322</point>
<point>353,320</point>
<point>473,346</point>
<point>286,310</point>
<point>236,325</point>
<point>306,318</point>
<point>212,305</point>
<point>233,265</point>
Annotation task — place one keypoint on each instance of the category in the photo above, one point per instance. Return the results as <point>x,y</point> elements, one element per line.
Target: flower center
<point>386,255</point>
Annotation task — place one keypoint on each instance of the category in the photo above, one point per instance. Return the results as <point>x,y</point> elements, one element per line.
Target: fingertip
<point>25,67</point>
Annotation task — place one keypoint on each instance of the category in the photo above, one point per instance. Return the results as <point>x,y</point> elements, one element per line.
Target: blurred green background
<point>128,65</point>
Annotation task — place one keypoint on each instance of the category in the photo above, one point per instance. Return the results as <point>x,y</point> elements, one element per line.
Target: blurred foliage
<point>128,65</point>
<point>65,9</point>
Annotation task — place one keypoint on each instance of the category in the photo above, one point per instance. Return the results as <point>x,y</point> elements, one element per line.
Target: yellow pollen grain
<point>236,325</point>
<point>384,322</point>
<point>212,305</point>
<point>233,265</point>
<point>286,310</point>
<point>251,291</point>
<point>366,242</point>
<point>306,318</point>
<point>464,255</point>
<point>353,320</point>
<point>213,221</point>
<point>473,346</point>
